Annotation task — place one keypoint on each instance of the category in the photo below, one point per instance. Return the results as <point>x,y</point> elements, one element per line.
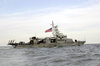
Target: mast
<point>56,32</point>
<point>53,29</point>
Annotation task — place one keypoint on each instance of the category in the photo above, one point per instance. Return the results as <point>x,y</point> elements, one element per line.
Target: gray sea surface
<point>85,55</point>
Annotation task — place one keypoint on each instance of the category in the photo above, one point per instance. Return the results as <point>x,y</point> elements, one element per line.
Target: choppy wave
<point>86,55</point>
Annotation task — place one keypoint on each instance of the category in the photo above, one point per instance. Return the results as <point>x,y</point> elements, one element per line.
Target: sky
<point>22,19</point>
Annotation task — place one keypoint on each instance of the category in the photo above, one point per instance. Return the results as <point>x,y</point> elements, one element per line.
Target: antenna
<point>84,38</point>
<point>35,34</point>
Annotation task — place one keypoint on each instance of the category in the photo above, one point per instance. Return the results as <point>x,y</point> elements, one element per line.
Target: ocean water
<point>85,55</point>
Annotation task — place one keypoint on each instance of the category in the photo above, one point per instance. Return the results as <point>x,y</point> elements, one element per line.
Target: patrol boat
<point>58,40</point>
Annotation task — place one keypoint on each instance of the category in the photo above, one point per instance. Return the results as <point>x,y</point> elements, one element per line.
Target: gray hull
<point>50,45</point>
